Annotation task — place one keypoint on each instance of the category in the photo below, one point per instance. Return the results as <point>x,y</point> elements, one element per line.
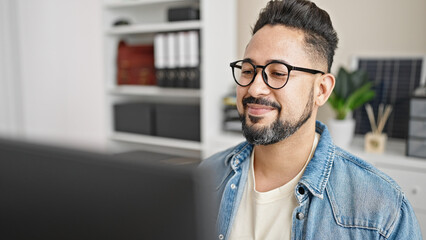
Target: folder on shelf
<point>172,59</point>
<point>135,64</point>
<point>231,119</point>
<point>183,60</point>
<point>193,78</point>
<point>160,57</point>
<point>177,59</point>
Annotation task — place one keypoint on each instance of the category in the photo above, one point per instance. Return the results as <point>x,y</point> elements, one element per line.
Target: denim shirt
<point>340,196</point>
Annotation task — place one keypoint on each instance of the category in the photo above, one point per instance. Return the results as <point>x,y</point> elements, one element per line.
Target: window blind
<point>394,82</point>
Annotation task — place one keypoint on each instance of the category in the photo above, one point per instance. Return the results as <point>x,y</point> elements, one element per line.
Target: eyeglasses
<point>275,74</point>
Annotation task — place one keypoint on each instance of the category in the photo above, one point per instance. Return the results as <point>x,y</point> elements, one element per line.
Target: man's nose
<point>258,87</point>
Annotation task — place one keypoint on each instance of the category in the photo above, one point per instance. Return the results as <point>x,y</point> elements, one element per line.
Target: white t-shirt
<point>267,215</point>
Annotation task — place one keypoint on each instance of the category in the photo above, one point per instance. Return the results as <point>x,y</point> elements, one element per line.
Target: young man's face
<point>290,106</point>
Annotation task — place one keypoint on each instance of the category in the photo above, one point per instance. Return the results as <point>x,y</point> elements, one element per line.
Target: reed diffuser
<point>375,141</point>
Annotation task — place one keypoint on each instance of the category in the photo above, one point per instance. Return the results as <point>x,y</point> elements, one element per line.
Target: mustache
<point>261,101</point>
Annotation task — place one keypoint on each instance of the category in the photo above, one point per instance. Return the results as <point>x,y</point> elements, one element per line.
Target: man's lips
<point>257,109</point>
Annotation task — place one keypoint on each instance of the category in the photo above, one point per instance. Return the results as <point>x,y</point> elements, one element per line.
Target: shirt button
<point>221,236</point>
<point>301,190</point>
<point>300,216</point>
<point>233,186</point>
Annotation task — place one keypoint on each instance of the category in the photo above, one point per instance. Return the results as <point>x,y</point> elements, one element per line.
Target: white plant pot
<point>342,131</point>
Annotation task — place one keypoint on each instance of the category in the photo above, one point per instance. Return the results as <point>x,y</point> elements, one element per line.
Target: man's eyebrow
<point>248,60</point>
<point>267,61</point>
<point>278,60</point>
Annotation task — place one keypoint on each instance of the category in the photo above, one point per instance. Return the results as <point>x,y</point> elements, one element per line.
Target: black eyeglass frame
<point>234,65</point>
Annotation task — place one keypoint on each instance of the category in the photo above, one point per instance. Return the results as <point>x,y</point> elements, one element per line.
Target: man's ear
<point>325,86</point>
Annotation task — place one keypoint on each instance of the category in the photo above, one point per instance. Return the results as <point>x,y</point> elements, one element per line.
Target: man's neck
<point>277,164</point>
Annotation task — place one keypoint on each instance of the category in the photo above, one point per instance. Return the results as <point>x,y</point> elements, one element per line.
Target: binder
<point>135,64</point>
<point>177,59</point>
<point>193,79</point>
<point>172,59</point>
<point>183,59</point>
<point>160,58</point>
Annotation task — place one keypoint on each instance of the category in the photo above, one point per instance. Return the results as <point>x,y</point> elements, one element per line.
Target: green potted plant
<point>351,91</point>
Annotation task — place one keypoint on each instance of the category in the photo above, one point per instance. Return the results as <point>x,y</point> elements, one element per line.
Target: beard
<point>277,130</point>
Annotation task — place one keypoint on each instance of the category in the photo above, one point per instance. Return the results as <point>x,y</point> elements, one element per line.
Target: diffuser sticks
<point>382,117</point>
<point>375,141</point>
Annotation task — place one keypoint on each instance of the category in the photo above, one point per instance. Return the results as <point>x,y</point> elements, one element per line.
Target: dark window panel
<point>395,81</point>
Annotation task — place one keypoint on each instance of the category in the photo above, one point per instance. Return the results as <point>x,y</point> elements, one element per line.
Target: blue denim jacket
<point>340,196</point>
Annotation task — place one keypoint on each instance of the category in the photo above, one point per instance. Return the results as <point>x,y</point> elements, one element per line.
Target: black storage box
<point>183,14</point>
<point>134,117</point>
<point>178,121</point>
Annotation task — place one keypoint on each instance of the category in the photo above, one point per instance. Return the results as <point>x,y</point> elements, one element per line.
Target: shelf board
<point>155,27</point>
<point>156,91</point>
<point>157,141</point>
<point>134,3</point>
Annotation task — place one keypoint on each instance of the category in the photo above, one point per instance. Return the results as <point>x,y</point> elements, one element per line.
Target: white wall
<point>379,27</point>
<point>364,27</point>
<point>10,105</point>
<point>248,11</point>
<point>61,71</point>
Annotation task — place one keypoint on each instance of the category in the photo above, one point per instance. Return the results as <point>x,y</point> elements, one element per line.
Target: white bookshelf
<point>154,27</point>
<point>134,3</point>
<point>217,28</point>
<point>157,141</point>
<point>155,91</point>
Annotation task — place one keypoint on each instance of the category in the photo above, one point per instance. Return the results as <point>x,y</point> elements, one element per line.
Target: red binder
<point>135,64</point>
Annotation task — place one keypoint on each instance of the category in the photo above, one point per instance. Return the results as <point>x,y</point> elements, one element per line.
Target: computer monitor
<point>56,193</point>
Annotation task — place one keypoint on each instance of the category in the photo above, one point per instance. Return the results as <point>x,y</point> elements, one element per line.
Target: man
<point>289,181</point>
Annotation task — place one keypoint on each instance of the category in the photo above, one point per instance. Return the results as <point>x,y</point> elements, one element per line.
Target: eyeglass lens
<point>276,73</point>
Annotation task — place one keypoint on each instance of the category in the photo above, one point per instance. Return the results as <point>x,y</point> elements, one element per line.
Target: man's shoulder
<point>347,163</point>
<point>362,195</point>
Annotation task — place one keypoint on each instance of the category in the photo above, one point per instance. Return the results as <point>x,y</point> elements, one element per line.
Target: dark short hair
<point>320,37</point>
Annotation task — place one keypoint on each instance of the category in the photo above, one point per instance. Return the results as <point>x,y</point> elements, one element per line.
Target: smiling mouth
<point>258,109</point>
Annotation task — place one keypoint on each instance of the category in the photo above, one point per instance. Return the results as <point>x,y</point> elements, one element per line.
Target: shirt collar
<point>318,170</point>
<point>240,153</point>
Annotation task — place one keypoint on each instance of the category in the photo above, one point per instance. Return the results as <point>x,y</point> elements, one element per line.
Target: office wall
<point>365,28</point>
<point>10,107</point>
<point>61,71</point>
<point>380,27</point>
